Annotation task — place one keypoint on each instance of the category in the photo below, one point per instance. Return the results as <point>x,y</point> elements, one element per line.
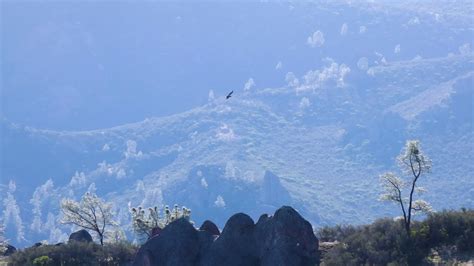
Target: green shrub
<point>385,241</point>
<point>76,253</point>
<point>339,255</point>
<point>381,243</point>
<point>335,233</point>
<point>451,228</point>
<point>42,261</point>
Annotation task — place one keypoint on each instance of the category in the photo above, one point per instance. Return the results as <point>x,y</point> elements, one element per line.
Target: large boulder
<point>206,240</point>
<point>81,236</point>
<point>177,244</point>
<point>208,232</point>
<point>236,244</point>
<point>210,227</point>
<point>286,239</point>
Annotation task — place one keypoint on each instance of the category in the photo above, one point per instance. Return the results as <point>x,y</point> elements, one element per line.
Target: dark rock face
<point>177,244</point>
<point>38,244</point>
<point>210,227</point>
<point>284,239</point>
<point>9,250</point>
<point>81,236</point>
<point>236,245</point>
<point>263,218</point>
<point>155,231</point>
<point>205,241</point>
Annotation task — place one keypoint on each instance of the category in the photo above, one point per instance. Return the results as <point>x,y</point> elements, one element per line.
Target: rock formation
<point>285,238</point>
<point>81,236</point>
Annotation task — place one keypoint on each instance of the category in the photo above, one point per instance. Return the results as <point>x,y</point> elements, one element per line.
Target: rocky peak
<point>285,238</point>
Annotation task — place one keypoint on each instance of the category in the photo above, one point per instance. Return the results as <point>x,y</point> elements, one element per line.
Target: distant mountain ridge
<point>317,142</point>
<point>209,154</point>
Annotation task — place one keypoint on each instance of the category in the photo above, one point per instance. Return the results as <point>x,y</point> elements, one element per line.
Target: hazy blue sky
<point>87,65</point>
<point>84,64</point>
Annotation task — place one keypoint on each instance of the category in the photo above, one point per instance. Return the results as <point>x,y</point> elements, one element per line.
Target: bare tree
<point>90,213</point>
<point>413,163</point>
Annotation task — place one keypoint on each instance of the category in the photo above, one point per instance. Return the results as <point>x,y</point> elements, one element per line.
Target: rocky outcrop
<point>81,236</point>
<point>208,189</point>
<point>283,239</point>
<point>236,245</point>
<point>177,244</point>
<point>210,227</point>
<point>286,239</point>
<point>9,250</point>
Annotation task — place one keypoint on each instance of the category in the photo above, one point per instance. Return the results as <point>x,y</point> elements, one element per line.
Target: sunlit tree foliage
<point>90,213</point>
<point>144,221</point>
<point>413,163</point>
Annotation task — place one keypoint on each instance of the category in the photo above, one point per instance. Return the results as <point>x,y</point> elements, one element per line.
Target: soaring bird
<point>229,95</point>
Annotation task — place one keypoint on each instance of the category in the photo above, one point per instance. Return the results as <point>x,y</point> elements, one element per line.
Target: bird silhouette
<point>229,95</point>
